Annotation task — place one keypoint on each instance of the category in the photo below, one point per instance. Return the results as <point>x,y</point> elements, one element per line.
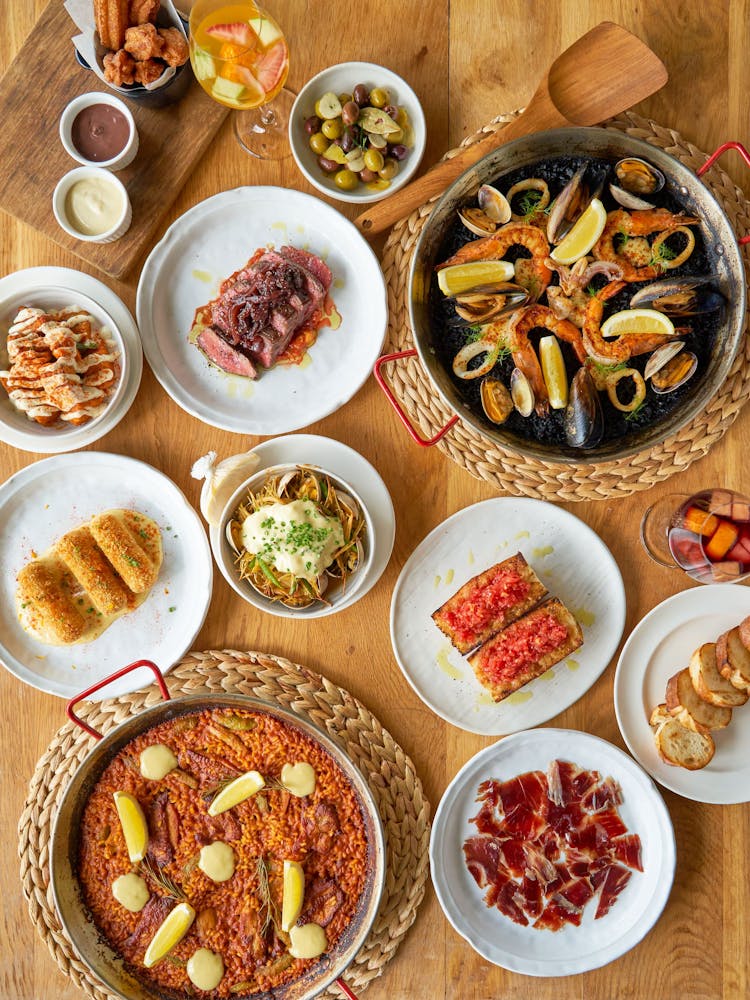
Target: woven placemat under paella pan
<point>389,772</point>
<point>522,475</point>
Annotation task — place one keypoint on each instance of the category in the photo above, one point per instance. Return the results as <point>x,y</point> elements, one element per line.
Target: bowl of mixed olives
<point>357,132</point>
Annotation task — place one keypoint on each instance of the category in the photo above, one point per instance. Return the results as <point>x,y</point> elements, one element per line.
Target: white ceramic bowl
<point>15,426</point>
<point>225,556</point>
<point>126,155</point>
<point>60,194</point>
<point>342,79</point>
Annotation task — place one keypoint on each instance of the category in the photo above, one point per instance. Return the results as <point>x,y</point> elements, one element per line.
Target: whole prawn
<point>622,348</point>
<point>638,223</point>
<point>533,275</point>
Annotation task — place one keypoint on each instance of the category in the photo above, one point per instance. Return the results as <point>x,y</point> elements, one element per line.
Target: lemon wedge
<point>637,321</point>
<point>460,278</point>
<point>133,823</point>
<point>553,369</point>
<point>221,480</point>
<point>169,933</point>
<point>294,893</point>
<point>236,791</point>
<point>583,235</point>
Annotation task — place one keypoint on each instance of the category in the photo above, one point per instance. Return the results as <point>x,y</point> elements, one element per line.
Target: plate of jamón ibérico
<point>552,853</point>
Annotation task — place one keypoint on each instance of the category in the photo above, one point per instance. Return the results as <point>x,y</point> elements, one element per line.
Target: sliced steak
<point>224,355</point>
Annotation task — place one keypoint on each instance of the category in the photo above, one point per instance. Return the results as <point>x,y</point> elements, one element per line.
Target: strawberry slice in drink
<point>686,549</point>
<point>270,68</point>
<point>237,32</point>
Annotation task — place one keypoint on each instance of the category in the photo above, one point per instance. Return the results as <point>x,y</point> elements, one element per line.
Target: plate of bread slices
<point>505,614</point>
<point>681,687</point>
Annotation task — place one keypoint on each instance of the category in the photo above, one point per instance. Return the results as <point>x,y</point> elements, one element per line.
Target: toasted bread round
<point>709,683</point>
<point>744,627</point>
<point>692,711</point>
<point>659,716</point>
<point>733,659</point>
<point>682,747</point>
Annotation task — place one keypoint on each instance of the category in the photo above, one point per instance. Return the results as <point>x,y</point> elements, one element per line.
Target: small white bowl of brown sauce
<point>98,130</point>
<point>91,204</point>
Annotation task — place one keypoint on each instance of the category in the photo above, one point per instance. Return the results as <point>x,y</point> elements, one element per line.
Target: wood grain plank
<point>172,141</point>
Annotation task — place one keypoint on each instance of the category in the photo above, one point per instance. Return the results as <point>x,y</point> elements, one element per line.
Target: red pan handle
<point>715,156</point>
<point>345,989</point>
<point>414,434</point>
<point>107,680</point>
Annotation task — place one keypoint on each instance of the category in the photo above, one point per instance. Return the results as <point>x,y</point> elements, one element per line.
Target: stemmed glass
<point>241,59</point>
<point>706,534</point>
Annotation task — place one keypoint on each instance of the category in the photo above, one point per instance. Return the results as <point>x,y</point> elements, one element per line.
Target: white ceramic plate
<point>212,241</point>
<point>50,497</point>
<point>568,557</point>
<point>342,461</point>
<point>572,949</point>
<point>660,645</point>
<point>55,287</point>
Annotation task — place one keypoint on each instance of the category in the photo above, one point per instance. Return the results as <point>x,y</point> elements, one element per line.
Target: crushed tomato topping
<point>520,644</point>
<point>483,603</point>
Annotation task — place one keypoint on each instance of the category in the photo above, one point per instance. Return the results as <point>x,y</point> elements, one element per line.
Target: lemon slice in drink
<point>169,933</point>
<point>553,369</point>
<point>637,321</point>
<point>460,278</point>
<point>133,823</point>
<point>236,791</point>
<point>583,235</point>
<point>294,893</point>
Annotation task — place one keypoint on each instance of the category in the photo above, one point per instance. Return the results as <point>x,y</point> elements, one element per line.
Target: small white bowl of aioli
<point>91,204</point>
<point>98,130</point>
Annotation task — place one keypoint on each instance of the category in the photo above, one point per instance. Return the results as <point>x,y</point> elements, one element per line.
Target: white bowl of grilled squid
<point>295,541</point>
<point>63,370</point>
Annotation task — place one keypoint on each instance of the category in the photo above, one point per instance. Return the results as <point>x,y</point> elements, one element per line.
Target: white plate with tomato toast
<point>660,645</point>
<point>459,864</point>
<point>572,562</point>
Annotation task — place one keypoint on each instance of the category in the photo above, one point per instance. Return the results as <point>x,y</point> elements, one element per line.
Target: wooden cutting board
<point>40,82</point>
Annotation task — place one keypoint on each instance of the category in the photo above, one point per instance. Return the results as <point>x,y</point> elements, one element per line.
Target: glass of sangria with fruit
<point>706,534</point>
<point>241,59</point>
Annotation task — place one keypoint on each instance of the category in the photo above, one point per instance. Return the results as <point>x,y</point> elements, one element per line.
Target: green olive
<point>332,129</point>
<point>378,97</point>
<point>374,159</point>
<point>318,143</point>
<point>389,169</point>
<point>347,180</point>
<point>394,137</point>
<point>345,98</point>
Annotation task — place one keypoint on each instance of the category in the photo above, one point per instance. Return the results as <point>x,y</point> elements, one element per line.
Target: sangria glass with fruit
<point>241,59</point>
<point>707,534</point>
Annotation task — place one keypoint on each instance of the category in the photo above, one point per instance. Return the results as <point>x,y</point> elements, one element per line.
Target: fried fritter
<point>148,71</point>
<point>119,68</point>
<point>175,51</point>
<point>143,42</point>
<point>143,11</point>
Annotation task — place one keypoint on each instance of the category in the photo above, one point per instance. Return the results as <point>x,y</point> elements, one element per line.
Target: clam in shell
<point>496,400</point>
<point>638,176</point>
<point>674,373</point>
<point>521,393</point>
<point>661,357</point>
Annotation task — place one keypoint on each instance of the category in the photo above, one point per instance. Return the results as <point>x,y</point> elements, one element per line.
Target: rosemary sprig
<point>157,875</point>
<point>271,915</point>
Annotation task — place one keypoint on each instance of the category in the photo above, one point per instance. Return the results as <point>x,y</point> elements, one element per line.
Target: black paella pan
<point>719,337</point>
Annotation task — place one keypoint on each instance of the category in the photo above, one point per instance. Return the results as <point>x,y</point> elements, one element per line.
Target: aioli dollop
<point>293,537</point>
<point>94,205</point>
<point>131,892</point>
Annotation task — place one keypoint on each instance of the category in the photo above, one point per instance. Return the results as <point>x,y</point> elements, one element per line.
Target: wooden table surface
<point>467,61</point>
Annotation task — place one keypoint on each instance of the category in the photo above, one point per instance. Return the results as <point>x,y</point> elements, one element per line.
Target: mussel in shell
<point>496,400</point>
<point>674,373</point>
<point>680,296</point>
<point>572,202</point>
<point>584,417</point>
<point>486,303</point>
<point>638,176</point>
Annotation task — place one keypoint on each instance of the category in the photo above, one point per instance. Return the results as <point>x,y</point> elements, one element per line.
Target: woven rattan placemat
<point>523,476</point>
<point>398,792</point>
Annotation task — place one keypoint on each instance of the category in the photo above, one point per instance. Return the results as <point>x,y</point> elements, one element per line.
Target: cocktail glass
<point>241,59</point>
<point>706,534</point>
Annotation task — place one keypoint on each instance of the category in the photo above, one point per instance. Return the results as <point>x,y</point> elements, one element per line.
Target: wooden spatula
<point>605,72</point>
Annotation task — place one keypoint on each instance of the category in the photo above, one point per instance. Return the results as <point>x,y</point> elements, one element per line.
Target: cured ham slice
<point>548,843</point>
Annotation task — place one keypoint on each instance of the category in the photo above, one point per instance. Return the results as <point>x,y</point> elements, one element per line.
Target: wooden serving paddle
<point>602,74</point>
